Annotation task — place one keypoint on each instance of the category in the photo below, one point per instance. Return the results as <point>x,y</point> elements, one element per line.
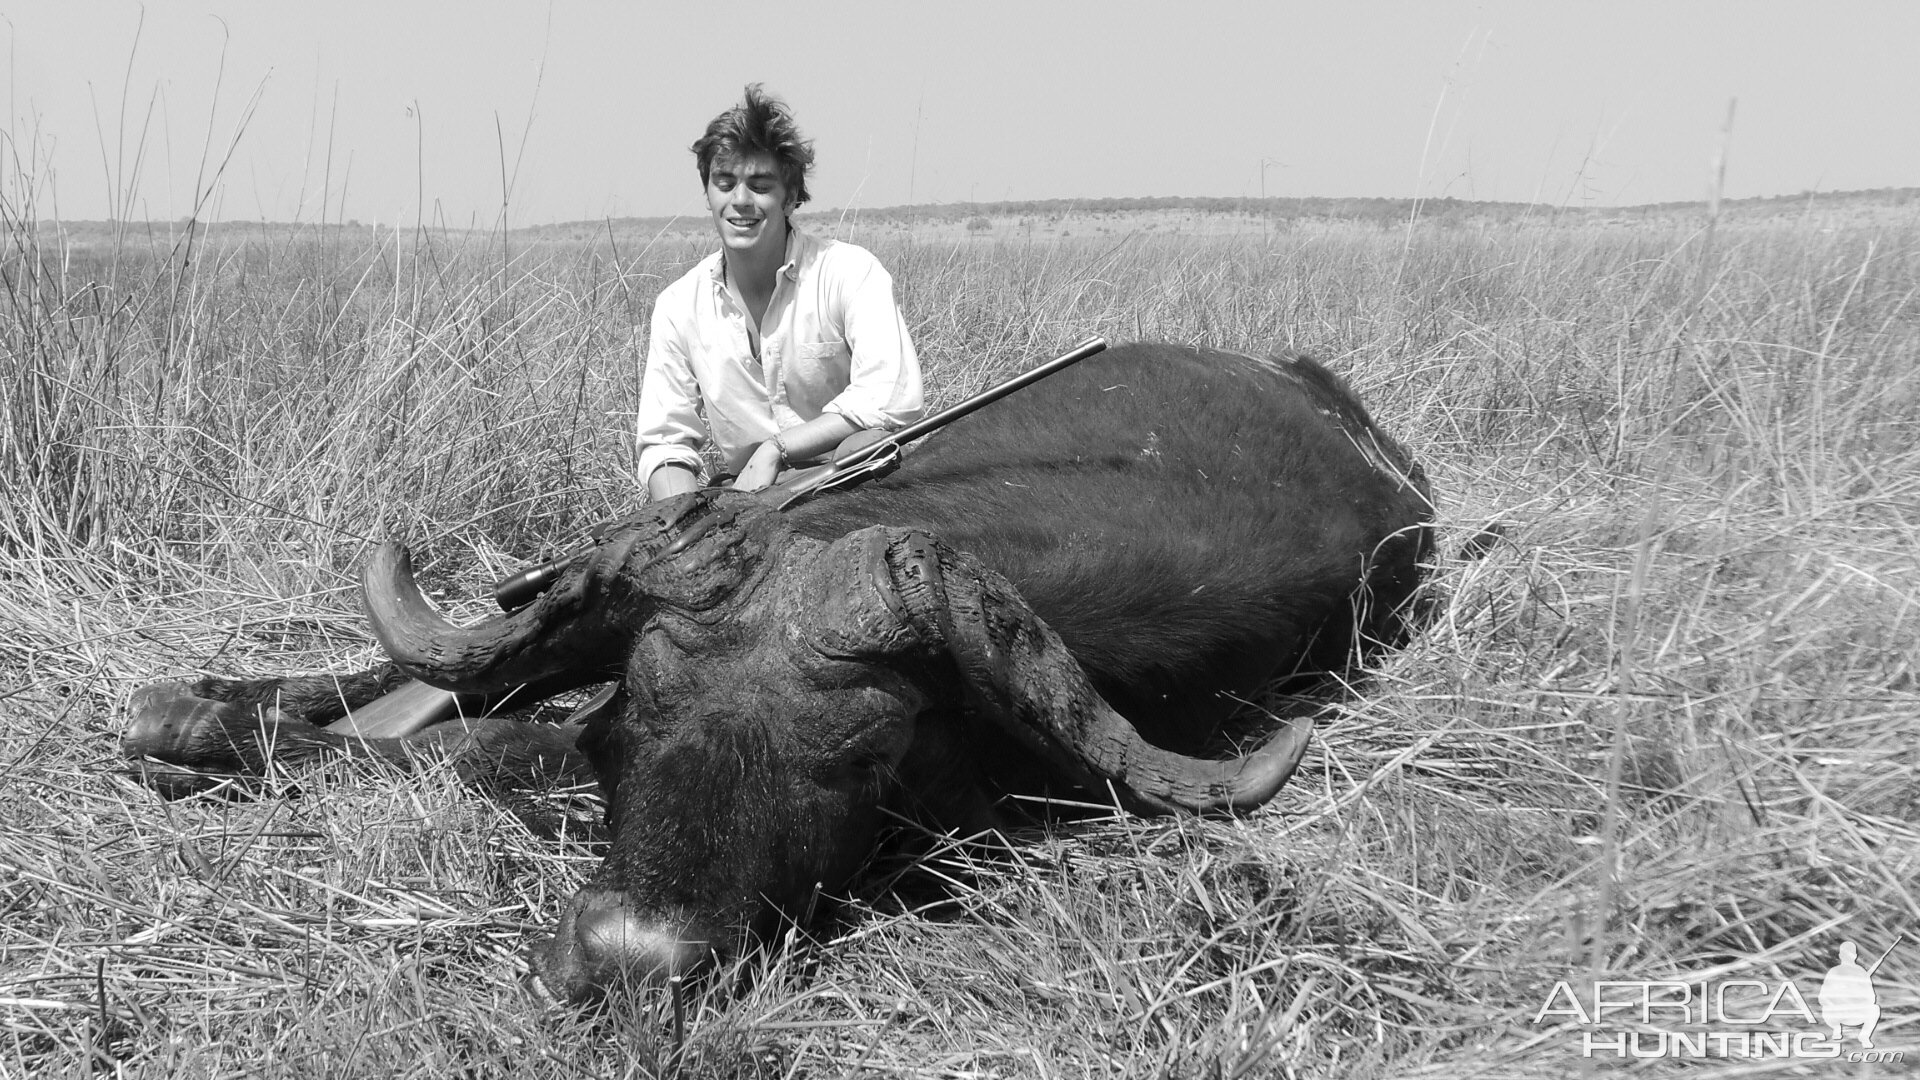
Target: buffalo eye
<point>864,763</point>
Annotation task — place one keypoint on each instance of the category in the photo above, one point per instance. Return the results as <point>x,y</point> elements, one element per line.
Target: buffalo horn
<point>1038,692</point>
<point>549,637</point>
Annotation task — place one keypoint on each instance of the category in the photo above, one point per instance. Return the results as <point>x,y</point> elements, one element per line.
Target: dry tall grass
<point>1667,728</point>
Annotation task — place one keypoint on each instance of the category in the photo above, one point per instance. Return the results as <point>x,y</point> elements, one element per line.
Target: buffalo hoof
<point>173,732</point>
<point>602,944</point>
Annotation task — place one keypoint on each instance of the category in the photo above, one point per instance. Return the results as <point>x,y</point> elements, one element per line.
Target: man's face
<point>749,204</point>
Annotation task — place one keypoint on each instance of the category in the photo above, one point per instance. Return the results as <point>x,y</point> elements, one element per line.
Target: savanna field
<point>1663,725</point>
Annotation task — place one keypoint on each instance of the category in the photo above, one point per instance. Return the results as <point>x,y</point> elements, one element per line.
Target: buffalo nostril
<point>610,937</point>
<point>605,945</point>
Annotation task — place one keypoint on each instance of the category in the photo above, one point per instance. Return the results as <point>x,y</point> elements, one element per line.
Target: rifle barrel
<point>994,393</point>
<point>858,464</point>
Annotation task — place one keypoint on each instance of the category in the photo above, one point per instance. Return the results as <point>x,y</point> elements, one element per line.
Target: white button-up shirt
<point>832,340</point>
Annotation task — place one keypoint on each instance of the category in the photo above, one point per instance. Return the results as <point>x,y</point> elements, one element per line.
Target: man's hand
<point>761,469</point>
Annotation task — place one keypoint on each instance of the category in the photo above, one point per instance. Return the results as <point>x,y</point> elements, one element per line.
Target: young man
<point>789,343</point>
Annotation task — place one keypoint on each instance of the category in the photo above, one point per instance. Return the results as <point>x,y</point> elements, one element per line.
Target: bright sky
<point>587,106</point>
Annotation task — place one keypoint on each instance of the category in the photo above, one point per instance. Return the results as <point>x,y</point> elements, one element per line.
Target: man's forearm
<point>669,480</point>
<point>802,442</point>
<point>817,437</point>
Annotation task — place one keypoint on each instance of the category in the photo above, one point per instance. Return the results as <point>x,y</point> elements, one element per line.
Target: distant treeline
<point>1381,211</point>
<point>1340,209</point>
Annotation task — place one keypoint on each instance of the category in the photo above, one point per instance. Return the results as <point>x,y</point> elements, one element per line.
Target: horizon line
<point>1091,204</point>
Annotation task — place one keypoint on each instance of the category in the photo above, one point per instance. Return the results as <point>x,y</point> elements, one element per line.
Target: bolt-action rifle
<point>851,465</point>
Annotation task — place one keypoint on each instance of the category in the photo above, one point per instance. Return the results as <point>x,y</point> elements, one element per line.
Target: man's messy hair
<point>760,124</point>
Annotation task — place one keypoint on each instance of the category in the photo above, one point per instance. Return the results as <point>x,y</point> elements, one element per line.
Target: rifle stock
<point>849,467</point>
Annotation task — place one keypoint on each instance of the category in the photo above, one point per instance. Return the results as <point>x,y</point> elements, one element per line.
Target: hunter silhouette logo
<point>1846,994</point>
<point>1728,1018</point>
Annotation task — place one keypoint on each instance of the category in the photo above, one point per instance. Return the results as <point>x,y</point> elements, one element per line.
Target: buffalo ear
<point>1026,680</point>
<point>598,720</point>
<point>942,779</point>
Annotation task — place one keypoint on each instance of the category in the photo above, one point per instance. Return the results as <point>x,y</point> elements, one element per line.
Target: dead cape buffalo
<point>1068,589</point>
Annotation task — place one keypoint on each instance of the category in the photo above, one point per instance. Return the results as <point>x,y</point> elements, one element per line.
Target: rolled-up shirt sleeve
<point>883,388</point>
<point>669,428</point>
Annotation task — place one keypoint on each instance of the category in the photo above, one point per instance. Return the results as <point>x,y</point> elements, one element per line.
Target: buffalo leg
<point>313,699</point>
<point>323,699</point>
<point>189,736</point>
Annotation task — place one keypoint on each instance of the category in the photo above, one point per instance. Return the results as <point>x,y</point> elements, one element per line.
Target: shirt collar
<point>799,246</point>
